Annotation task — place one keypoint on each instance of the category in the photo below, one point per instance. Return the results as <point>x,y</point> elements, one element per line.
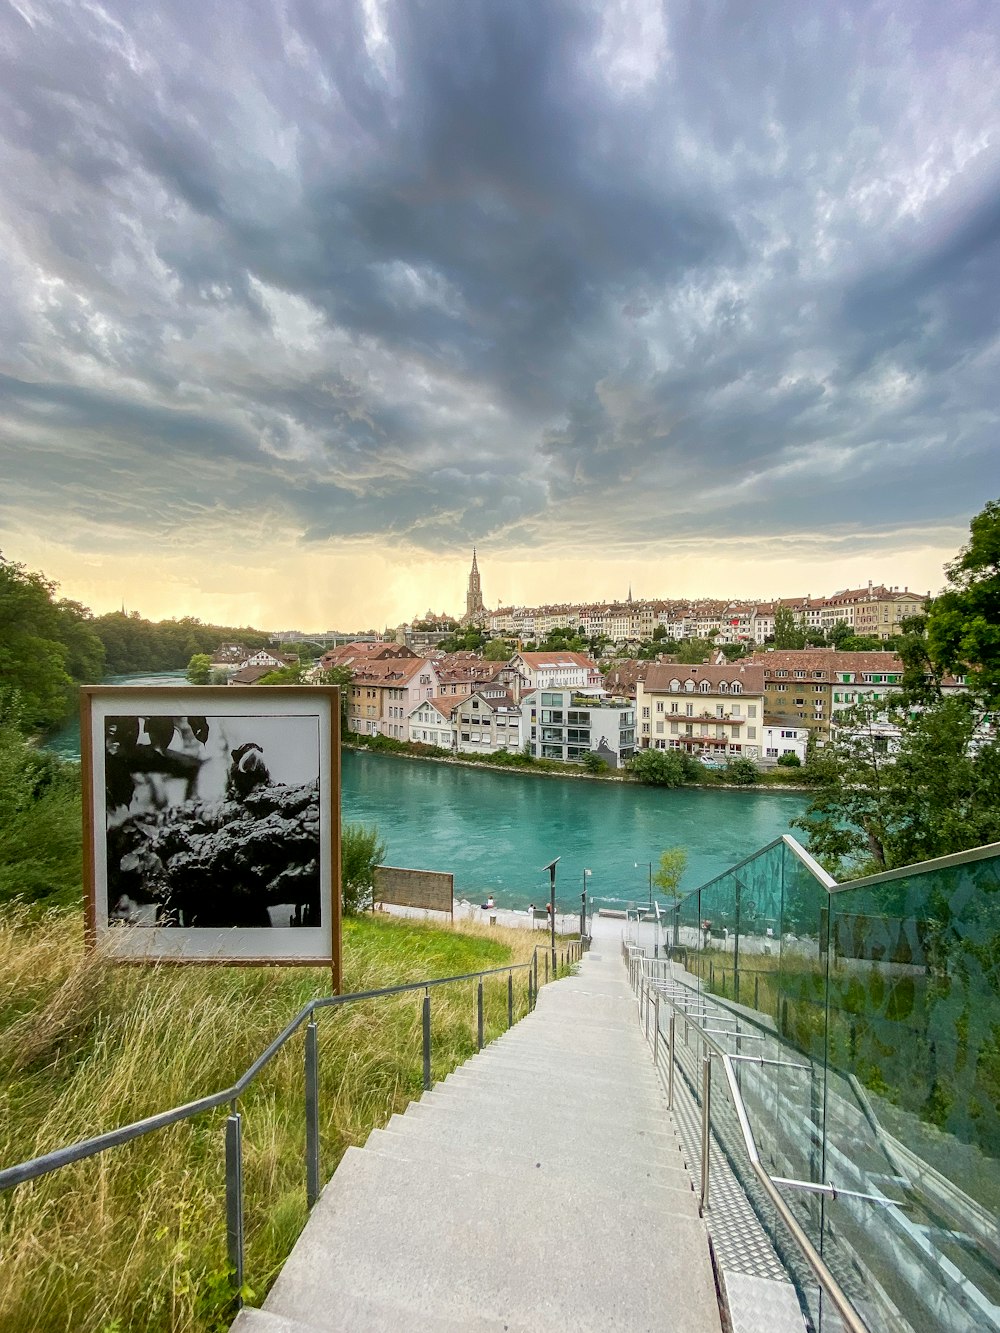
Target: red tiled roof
<point>558,659</point>
<point>660,674</point>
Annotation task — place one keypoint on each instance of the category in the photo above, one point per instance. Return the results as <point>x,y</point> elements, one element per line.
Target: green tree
<point>694,651</point>
<point>673,863</point>
<point>741,772</point>
<point>838,635</point>
<point>199,669</point>
<point>662,768</point>
<point>593,762</point>
<point>787,632</point>
<point>874,810</point>
<point>340,676</point>
<point>289,675</point>
<point>361,850</point>
<point>469,640</point>
<point>40,821</point>
<point>789,760</point>
<point>34,655</point>
<point>963,623</point>
<point>497,650</point>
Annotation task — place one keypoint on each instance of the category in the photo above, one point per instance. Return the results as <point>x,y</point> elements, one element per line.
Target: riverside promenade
<point>541,1186</point>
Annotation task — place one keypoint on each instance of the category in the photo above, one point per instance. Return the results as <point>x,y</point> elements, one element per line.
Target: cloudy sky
<point>299,300</point>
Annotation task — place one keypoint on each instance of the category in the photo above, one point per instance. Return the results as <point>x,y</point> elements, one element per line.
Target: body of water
<point>494,830</point>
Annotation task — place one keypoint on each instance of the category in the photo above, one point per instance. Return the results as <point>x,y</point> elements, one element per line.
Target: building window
<point>689,710</point>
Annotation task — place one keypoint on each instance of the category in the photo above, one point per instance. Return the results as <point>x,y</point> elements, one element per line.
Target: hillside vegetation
<point>135,1239</point>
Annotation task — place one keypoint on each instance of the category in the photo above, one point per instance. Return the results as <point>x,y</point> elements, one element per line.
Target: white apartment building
<point>562,724</point>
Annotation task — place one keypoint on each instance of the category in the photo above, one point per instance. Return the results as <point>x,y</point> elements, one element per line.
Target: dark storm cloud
<point>462,270</point>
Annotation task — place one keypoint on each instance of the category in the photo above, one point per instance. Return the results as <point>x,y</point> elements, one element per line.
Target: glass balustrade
<point>864,1019</point>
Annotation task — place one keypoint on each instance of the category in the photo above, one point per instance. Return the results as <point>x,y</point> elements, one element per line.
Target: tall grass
<point>135,1238</point>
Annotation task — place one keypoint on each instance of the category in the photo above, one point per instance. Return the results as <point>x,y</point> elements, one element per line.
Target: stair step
<point>525,1076</point>
<point>621,1176</point>
<point>451,1256</point>
<point>550,1098</point>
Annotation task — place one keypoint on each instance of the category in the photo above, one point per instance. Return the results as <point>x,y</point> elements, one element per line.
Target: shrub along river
<point>495,829</point>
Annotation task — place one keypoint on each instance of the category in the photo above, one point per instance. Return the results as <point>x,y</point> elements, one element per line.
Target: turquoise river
<point>495,830</point>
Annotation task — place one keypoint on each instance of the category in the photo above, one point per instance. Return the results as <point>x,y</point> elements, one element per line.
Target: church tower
<point>474,596</point>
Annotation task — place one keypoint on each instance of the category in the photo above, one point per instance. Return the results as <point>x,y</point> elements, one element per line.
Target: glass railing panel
<point>913,1092</point>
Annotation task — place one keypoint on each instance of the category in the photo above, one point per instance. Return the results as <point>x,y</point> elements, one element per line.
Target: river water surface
<point>495,830</point>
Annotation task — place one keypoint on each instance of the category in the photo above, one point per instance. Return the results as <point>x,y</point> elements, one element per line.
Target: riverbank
<point>526,766</point>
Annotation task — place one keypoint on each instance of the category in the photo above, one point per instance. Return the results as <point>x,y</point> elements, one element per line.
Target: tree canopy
<point>918,775</point>
<point>963,623</point>
<point>47,648</point>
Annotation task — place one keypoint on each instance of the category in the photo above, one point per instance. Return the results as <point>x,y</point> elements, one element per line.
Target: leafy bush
<point>789,760</point>
<point>40,824</point>
<point>741,772</point>
<point>663,768</point>
<point>593,762</point>
<point>361,850</point>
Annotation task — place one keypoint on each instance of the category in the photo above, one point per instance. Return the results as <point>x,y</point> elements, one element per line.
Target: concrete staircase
<point>540,1186</point>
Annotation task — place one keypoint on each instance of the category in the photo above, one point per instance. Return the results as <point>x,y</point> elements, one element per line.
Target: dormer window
<point>737,687</point>
<point>723,686</point>
<point>689,686</point>
<point>704,686</point>
<point>675,684</point>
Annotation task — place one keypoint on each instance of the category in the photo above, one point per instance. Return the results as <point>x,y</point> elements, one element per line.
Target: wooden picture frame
<point>211,824</point>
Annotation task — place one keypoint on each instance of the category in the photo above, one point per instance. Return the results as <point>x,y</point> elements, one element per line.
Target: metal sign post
<point>551,868</point>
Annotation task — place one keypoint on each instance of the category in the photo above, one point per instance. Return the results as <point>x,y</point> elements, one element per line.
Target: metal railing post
<point>546,967</point>
<point>670,1066</point>
<point>646,1015</point>
<point>530,997</point>
<point>510,999</point>
<point>706,1127</point>
<point>312,1114</point>
<point>427,1039</point>
<point>479,1013</point>
<point>234,1200</point>
<point>656,1027</point>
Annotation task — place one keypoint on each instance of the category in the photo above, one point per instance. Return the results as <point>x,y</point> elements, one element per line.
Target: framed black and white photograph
<point>212,827</point>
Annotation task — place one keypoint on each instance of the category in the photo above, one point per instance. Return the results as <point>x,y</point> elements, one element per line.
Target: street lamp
<point>551,868</point>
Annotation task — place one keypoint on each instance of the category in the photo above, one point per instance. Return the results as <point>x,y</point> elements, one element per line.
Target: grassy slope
<point>135,1239</point>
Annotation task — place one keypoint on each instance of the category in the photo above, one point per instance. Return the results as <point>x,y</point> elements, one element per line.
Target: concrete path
<point>539,1187</point>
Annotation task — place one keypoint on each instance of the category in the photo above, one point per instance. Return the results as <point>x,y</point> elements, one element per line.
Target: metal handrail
<point>636,961</point>
<point>41,1166</point>
<point>36,1167</point>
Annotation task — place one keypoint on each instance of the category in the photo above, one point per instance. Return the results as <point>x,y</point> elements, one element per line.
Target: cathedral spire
<point>474,596</point>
